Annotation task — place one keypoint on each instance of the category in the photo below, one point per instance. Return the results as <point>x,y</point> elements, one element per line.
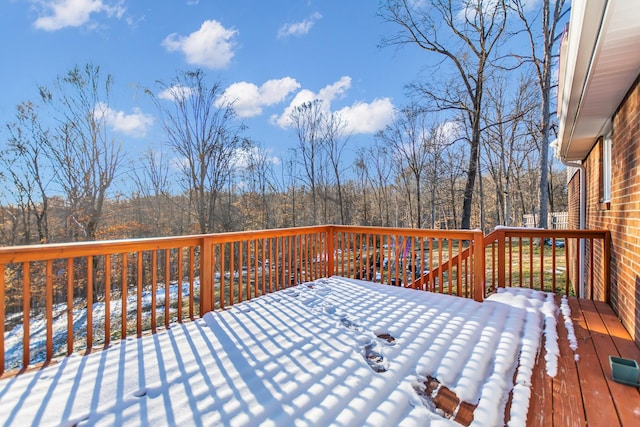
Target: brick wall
<point>622,215</point>
<point>573,195</point>
<point>595,212</point>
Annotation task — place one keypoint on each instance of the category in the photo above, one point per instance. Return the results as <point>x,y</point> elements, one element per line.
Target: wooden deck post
<point>206,276</point>
<point>479,267</point>
<point>501,258</point>
<point>330,236</point>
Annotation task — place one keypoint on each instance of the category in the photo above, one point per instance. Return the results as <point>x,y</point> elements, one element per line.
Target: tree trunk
<point>544,154</point>
<point>473,158</point>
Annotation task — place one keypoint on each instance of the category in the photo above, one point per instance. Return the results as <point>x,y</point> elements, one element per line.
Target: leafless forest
<point>471,150</point>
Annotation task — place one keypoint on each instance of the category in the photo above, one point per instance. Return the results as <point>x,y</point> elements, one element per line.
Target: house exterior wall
<point>622,214</point>
<point>596,219</point>
<point>573,194</point>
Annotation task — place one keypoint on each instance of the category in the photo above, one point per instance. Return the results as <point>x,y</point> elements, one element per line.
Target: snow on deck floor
<point>308,355</point>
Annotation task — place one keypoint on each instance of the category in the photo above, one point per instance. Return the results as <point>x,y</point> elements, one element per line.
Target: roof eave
<point>600,60</point>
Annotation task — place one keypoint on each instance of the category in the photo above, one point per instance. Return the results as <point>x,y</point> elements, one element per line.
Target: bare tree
<point>152,181</point>
<point>360,167</point>
<point>441,136</point>
<point>376,161</point>
<point>257,173</point>
<point>202,129</point>
<point>85,157</point>
<point>463,35</point>
<point>25,162</point>
<point>453,160</point>
<point>8,225</point>
<point>290,167</point>
<point>411,139</point>
<point>508,142</point>
<point>152,176</point>
<point>334,142</point>
<point>541,57</point>
<point>307,121</point>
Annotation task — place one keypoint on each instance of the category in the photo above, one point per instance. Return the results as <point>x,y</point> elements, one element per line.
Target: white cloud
<point>367,118</point>
<point>135,124</point>
<point>325,95</point>
<point>449,131</point>
<point>176,92</point>
<point>179,164</point>
<point>242,157</point>
<point>529,5</point>
<point>332,91</point>
<point>360,118</point>
<point>211,46</point>
<point>299,28</point>
<point>248,99</point>
<point>58,14</point>
<point>470,10</point>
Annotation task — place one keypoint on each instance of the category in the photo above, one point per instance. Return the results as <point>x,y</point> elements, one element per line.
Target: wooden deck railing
<point>99,291</point>
<point>409,257</point>
<point>547,260</point>
<point>63,298</point>
<point>550,260</point>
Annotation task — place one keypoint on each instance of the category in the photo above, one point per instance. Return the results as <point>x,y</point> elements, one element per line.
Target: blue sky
<point>269,55</point>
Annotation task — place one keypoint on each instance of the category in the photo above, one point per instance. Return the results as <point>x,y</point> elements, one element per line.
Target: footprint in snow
<point>386,338</point>
<point>372,351</point>
<point>349,324</point>
<point>150,392</point>
<point>373,357</point>
<point>330,309</point>
<point>291,293</point>
<point>313,302</point>
<point>140,393</point>
<point>78,421</point>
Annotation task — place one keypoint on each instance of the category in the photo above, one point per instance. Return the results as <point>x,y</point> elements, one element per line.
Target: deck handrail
<point>448,264</point>
<point>499,237</point>
<point>143,284</point>
<point>503,240</point>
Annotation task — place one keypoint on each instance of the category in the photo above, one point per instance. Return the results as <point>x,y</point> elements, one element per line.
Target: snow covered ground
<point>332,352</point>
<point>38,323</point>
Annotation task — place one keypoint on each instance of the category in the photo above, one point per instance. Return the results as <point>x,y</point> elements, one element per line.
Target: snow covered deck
<point>346,352</point>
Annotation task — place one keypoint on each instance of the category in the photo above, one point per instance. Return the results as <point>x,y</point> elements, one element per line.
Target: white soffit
<point>615,65</point>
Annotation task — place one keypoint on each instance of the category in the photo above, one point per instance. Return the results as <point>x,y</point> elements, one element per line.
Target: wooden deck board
<point>583,392</point>
<point>618,333</point>
<point>623,396</point>
<point>568,406</point>
<point>598,402</point>
<point>540,408</point>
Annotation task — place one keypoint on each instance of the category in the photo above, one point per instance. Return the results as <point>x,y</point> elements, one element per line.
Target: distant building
<point>557,220</point>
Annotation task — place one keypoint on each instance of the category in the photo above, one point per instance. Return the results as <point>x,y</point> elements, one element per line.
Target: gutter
<point>588,40</point>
